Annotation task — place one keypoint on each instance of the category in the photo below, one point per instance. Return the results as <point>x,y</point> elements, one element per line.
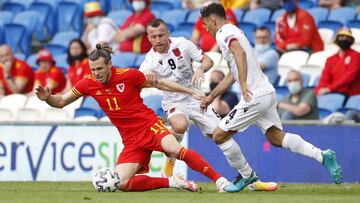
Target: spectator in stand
<point>48,75</point>
<point>98,28</point>
<point>202,37</point>
<point>132,34</point>
<point>231,4</point>
<point>341,73</point>
<point>77,59</point>
<point>296,29</point>
<point>301,103</point>
<point>267,57</point>
<point>16,76</point>
<point>225,102</point>
<point>270,4</point>
<point>331,4</point>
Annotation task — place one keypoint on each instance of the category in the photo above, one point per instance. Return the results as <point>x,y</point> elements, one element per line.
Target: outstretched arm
<point>171,86</point>
<point>57,101</point>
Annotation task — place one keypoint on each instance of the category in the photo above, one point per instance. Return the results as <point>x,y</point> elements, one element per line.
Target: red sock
<point>197,163</point>
<point>144,183</point>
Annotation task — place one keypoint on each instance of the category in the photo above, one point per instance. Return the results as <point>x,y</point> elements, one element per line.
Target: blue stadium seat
<point>332,25</point>
<point>53,3</point>
<point>85,112</point>
<point>45,28</point>
<point>154,103</point>
<point>181,33</point>
<point>60,42</point>
<point>123,60</point>
<point>61,61</point>
<point>239,14</point>
<point>305,4</point>
<point>342,15</point>
<point>20,56</point>
<point>31,60</point>
<point>161,6</point>
<point>1,35</point>
<point>90,103</point>
<point>119,17</point>
<point>69,17</point>
<point>257,16</point>
<point>139,59</point>
<point>174,18</point>
<point>323,113</point>
<point>281,92</point>
<point>18,33</point>
<point>5,17</point>
<point>119,5</point>
<point>78,2</point>
<point>319,14</point>
<point>276,14</point>
<point>271,26</point>
<point>331,102</point>
<point>354,24</point>
<point>13,7</point>
<point>353,103</point>
<point>248,29</point>
<point>191,19</point>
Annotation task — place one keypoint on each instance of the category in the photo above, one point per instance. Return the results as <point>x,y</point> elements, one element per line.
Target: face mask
<point>294,87</point>
<point>289,6</point>
<point>213,85</point>
<point>95,20</point>
<point>344,44</point>
<point>138,5</point>
<point>262,47</point>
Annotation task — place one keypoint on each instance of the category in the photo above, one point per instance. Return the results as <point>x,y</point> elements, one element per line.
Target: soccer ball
<point>106,180</point>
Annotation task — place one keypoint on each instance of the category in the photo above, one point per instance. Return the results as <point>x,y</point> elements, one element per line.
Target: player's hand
<point>42,93</point>
<point>205,102</point>
<point>150,77</point>
<point>246,93</point>
<point>197,95</point>
<point>198,78</point>
<point>323,91</point>
<point>6,67</point>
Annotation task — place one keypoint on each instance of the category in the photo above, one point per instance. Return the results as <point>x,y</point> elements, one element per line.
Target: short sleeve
<point>138,78</point>
<point>225,38</point>
<point>195,53</point>
<point>81,88</point>
<point>146,18</point>
<point>24,71</point>
<point>309,98</point>
<point>147,64</point>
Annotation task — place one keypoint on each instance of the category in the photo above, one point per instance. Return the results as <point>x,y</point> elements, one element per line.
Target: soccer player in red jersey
<point>118,93</point>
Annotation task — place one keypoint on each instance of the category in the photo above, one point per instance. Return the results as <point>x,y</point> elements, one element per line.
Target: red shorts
<point>141,151</point>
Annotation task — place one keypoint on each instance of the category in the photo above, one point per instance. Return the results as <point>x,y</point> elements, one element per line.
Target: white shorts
<point>260,111</point>
<point>207,122</point>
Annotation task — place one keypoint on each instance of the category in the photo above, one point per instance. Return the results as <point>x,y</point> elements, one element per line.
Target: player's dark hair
<point>213,8</point>
<point>102,50</point>
<point>156,23</point>
<point>263,28</point>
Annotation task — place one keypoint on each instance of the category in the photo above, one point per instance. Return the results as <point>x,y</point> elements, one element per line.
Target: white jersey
<point>175,65</point>
<point>256,79</point>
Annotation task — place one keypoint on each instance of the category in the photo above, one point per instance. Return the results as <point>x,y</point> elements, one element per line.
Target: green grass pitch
<point>83,192</point>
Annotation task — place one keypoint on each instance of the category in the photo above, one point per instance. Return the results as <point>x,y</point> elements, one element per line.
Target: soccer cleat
<point>330,163</point>
<point>183,184</point>
<point>240,183</point>
<point>168,167</point>
<point>221,184</point>
<point>263,186</point>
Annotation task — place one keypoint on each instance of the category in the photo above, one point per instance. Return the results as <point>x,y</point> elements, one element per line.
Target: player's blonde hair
<point>102,50</point>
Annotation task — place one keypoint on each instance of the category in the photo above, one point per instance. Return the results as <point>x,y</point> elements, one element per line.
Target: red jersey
<point>342,73</point>
<point>121,101</point>
<point>304,33</point>
<point>140,44</point>
<point>207,41</point>
<point>54,76</point>
<point>76,73</point>
<point>19,69</point>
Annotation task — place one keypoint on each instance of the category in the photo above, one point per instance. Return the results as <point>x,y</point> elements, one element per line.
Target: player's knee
<point>180,128</point>
<point>218,137</point>
<point>275,143</point>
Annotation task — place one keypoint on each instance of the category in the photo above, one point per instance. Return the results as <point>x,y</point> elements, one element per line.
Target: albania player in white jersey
<point>258,102</point>
<point>172,58</point>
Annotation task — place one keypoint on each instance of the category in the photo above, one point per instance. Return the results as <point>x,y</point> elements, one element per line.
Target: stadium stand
<point>119,17</point>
